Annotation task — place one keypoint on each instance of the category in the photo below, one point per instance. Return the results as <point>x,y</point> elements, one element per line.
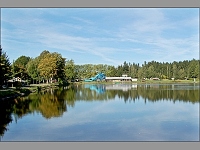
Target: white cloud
<point>83,20</point>
<point>148,30</point>
<point>143,34</point>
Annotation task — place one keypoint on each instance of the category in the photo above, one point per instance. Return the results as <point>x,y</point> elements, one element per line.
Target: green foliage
<point>178,70</point>
<point>60,67</point>
<point>22,61</point>
<point>51,65</point>
<point>5,68</point>
<point>19,67</point>
<point>23,90</point>
<point>32,69</point>
<point>7,93</point>
<point>47,66</point>
<point>193,69</point>
<point>70,70</point>
<point>90,70</point>
<point>62,83</point>
<point>18,85</point>
<point>111,71</point>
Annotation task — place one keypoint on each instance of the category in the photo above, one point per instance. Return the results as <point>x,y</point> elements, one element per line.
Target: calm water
<point>119,112</point>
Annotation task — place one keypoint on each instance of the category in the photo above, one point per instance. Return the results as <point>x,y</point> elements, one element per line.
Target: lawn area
<point>6,93</point>
<point>15,92</point>
<point>168,81</point>
<point>163,81</point>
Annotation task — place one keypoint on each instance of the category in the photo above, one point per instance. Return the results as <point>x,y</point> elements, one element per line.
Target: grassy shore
<point>164,81</point>
<point>14,92</point>
<point>5,93</point>
<point>23,91</point>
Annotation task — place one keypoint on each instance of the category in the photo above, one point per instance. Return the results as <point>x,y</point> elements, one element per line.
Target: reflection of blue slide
<point>98,88</point>
<point>98,77</point>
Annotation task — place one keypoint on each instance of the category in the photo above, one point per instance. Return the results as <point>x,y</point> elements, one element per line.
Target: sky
<point>102,35</point>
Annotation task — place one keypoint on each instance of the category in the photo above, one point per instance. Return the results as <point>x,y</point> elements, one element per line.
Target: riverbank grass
<point>23,91</point>
<point>7,93</point>
<point>162,81</point>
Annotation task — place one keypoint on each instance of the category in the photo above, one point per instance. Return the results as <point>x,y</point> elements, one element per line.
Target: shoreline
<point>12,93</point>
<point>141,82</point>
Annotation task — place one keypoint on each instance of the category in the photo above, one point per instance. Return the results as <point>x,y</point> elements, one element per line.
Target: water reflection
<point>98,88</point>
<point>54,102</point>
<point>6,109</point>
<point>123,87</point>
<point>151,92</point>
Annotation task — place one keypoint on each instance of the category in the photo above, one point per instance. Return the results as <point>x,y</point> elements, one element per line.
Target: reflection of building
<point>134,85</point>
<point>123,87</point>
<point>101,88</point>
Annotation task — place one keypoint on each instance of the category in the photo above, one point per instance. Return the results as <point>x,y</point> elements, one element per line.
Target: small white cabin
<point>135,79</point>
<point>124,75</point>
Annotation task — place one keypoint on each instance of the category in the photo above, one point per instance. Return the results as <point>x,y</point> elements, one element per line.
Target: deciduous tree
<point>19,67</point>
<point>5,69</point>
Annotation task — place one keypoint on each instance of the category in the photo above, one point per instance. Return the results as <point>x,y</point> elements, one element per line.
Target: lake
<point>104,112</point>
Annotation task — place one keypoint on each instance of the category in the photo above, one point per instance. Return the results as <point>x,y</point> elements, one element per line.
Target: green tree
<point>19,67</point>
<point>181,74</point>
<point>194,68</point>
<point>111,71</point>
<point>70,70</point>
<point>5,69</point>
<point>32,69</point>
<point>134,70</point>
<point>60,67</point>
<point>51,65</point>
<point>119,71</point>
<point>141,73</point>
<point>125,68</point>
<point>151,72</point>
<point>175,70</point>
<point>43,54</point>
<point>47,67</point>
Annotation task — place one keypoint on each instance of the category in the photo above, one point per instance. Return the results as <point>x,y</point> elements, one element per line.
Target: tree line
<point>49,67</point>
<point>54,102</point>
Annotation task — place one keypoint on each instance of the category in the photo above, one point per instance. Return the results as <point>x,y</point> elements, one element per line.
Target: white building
<point>124,77</point>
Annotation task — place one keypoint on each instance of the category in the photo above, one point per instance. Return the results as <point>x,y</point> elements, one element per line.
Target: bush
<point>18,85</point>
<point>62,82</point>
<point>39,88</point>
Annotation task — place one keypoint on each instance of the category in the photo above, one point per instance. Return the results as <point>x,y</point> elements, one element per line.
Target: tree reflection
<point>54,102</point>
<point>49,103</point>
<point>146,92</point>
<point>5,116</point>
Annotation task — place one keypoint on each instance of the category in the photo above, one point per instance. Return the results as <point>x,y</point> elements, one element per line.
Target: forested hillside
<point>49,67</point>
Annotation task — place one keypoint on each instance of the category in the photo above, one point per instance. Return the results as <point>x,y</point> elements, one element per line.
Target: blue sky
<point>102,35</point>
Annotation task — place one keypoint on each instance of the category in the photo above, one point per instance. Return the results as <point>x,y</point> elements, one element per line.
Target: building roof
<point>118,78</point>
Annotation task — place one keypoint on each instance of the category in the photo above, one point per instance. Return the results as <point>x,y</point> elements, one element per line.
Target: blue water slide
<point>99,76</point>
